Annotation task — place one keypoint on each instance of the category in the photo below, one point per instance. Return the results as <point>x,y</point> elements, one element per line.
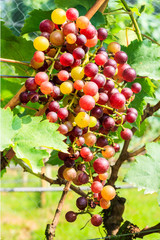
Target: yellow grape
<point>104,204</point>
<point>103,176</point>
<point>77,73</point>
<point>69,174</point>
<point>41,43</point>
<point>93,122</point>
<point>82,22</point>
<point>96,97</point>
<point>58,16</point>
<point>82,119</point>
<point>66,87</point>
<point>71,38</point>
<point>108,192</point>
<point>90,139</point>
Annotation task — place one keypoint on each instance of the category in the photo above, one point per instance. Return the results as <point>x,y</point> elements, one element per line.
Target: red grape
<point>100,165</point>
<point>96,220</point>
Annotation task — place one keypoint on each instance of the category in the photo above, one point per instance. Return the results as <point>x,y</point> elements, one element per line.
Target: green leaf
<point>136,11</point>
<point>131,36</point>
<point>35,17</point>
<point>144,57</point>
<point>54,159</point>
<point>145,172</point>
<point>34,135</point>
<point>17,48</point>
<point>72,3</point>
<point>139,101</point>
<point>9,127</point>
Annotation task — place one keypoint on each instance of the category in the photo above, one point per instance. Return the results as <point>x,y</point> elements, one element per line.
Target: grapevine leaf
<point>34,135</point>
<point>144,57</point>
<point>72,3</point>
<point>9,127</point>
<point>15,48</point>
<point>54,159</point>
<point>145,172</point>
<point>35,16</point>
<point>139,101</point>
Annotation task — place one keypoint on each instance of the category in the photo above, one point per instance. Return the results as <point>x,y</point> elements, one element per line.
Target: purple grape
<point>54,106</point>
<point>31,85</point>
<point>24,97</point>
<point>46,26</point>
<point>81,203</point>
<point>81,40</point>
<point>108,123</point>
<point>101,142</point>
<point>78,53</point>
<point>129,75</point>
<point>91,70</point>
<point>71,216</point>
<point>97,112</point>
<point>99,79</point>
<point>102,34</point>
<point>120,57</point>
<point>109,71</point>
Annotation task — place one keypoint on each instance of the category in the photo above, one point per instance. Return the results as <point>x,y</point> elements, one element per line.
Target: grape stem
<point>50,228</point>
<point>73,99</point>
<point>14,61</point>
<point>54,59</point>
<point>137,30</point>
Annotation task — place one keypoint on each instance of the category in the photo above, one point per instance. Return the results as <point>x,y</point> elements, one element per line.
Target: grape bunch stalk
<point>84,85</point>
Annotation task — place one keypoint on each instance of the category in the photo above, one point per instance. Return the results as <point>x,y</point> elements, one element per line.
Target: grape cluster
<point>90,84</point>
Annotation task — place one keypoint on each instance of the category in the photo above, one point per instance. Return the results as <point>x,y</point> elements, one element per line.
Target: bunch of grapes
<point>90,85</point>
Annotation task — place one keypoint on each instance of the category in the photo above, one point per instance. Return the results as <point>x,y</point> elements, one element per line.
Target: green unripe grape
<point>77,73</point>
<point>58,16</point>
<point>41,43</point>
<point>82,119</point>
<point>93,122</point>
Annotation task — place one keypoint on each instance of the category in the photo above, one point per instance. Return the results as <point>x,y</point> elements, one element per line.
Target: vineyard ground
<point>25,220</point>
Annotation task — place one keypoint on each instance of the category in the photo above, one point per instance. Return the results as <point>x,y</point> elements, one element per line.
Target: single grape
<point>129,75</point>
<point>78,84</point>
<point>57,38</point>
<point>63,75</point>
<point>83,178</point>
<point>136,87</point>
<point>71,216</point>
<point>108,151</point>
<point>80,142</point>
<point>109,71</point>
<point>33,97</point>
<point>72,14</point>
<point>77,73</point>
<point>52,117</point>
<point>82,22</point>
<point>87,102</point>
<point>104,204</point>
<point>81,203</point>
<point>117,100</point>
<point>89,157</point>
<point>84,152</point>
<point>91,70</point>
<point>56,92</point>
<point>66,59</point>
<point>81,40</point>
<point>46,35</point>
<point>90,139</point>
<point>127,92</point>
<point>66,87</point>
<point>120,57</point>
<point>96,187</point>
<point>103,98</point>
<point>69,174</point>
<point>99,79</point>
<point>82,119</point>
<point>39,56</point>
<point>58,16</point>
<point>101,142</point>
<point>116,147</point>
<point>126,134</point>
<point>103,176</point>
<point>41,43</point>
<point>78,53</point>
<point>61,170</point>
<point>100,165</point>
<point>69,163</point>
<point>62,113</point>
<point>69,27</point>
<point>111,62</point>
<point>97,112</point>
<point>46,26</point>
<point>71,38</point>
<point>36,65</point>
<point>100,59</point>
<point>113,47</point>
<point>102,34</point>
<point>77,131</point>
<point>63,156</point>
<point>46,87</point>
<point>96,220</point>
<point>108,123</point>
<point>24,97</point>
<point>77,62</point>
<point>30,84</point>
<point>121,68</point>
<point>63,129</point>
<point>92,42</point>
<point>131,117</point>
<point>109,85</point>
<point>69,125</point>
<point>108,193</point>
<point>90,88</point>
<point>41,77</point>
<point>132,110</point>
<point>89,32</point>
<point>93,122</point>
